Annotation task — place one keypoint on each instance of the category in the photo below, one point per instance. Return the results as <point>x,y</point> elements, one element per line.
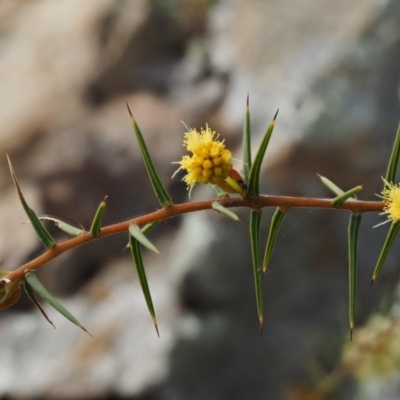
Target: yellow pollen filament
<point>391,197</point>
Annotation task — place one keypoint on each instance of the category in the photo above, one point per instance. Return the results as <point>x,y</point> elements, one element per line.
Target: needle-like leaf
<point>43,234</point>
<point>394,159</point>
<point>339,200</point>
<point>147,228</point>
<point>255,223</point>
<point>217,206</point>
<point>353,229</point>
<point>31,295</point>
<point>136,252</point>
<point>137,233</point>
<point>159,188</point>
<point>219,192</point>
<point>246,143</point>
<point>276,222</point>
<point>32,281</point>
<point>67,228</point>
<point>95,229</point>
<point>394,228</point>
<point>254,173</point>
<point>331,186</point>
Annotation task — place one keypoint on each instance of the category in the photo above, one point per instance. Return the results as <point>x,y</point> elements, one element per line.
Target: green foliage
<point>43,234</point>
<point>353,230</point>
<point>247,143</point>
<point>95,229</point>
<point>276,222</point>
<point>32,285</point>
<point>339,200</point>
<point>217,206</point>
<point>249,189</point>
<point>394,229</point>
<point>65,227</point>
<point>394,159</point>
<point>254,173</point>
<point>255,223</point>
<point>136,238</point>
<point>161,192</point>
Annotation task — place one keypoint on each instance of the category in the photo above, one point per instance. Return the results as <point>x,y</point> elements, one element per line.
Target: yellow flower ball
<point>210,161</point>
<point>391,197</point>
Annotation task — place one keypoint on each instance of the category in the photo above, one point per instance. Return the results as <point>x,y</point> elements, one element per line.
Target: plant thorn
<point>130,113</point>
<point>372,281</point>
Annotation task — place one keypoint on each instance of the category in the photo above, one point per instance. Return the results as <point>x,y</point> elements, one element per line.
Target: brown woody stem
<point>283,202</point>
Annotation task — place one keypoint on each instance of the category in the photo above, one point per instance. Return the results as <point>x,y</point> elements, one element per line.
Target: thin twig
<point>174,210</point>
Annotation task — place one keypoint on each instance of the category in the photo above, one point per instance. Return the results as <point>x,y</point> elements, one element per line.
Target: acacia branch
<point>283,202</point>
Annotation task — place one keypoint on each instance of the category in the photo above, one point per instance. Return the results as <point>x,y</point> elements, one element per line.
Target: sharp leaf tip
<point>372,281</point>
<point>85,330</point>
<point>129,110</point>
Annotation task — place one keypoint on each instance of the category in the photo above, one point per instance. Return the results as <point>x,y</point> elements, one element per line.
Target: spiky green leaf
<point>67,228</point>
<point>255,223</point>
<point>246,143</point>
<point>394,228</point>
<point>254,173</point>
<point>394,159</point>
<point>339,200</point>
<point>217,206</point>
<point>44,236</point>
<point>137,233</point>
<point>276,222</point>
<point>331,186</point>
<point>147,228</point>
<point>159,188</point>
<point>32,281</point>
<point>31,296</point>
<point>219,192</point>
<point>95,228</point>
<point>136,252</point>
<point>353,230</point>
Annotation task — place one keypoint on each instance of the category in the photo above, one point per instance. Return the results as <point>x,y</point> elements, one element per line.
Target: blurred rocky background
<point>66,70</point>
